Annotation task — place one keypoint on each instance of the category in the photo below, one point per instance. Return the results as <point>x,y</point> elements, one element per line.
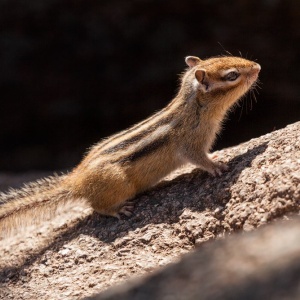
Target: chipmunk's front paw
<point>125,209</point>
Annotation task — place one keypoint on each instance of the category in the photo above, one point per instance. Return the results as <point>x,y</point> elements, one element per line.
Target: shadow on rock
<point>165,203</point>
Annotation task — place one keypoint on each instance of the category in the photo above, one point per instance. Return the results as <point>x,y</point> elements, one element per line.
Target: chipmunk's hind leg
<point>114,201</point>
<point>108,192</point>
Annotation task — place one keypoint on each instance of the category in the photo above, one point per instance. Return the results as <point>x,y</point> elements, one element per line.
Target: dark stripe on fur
<point>197,112</point>
<point>145,151</point>
<point>139,136</point>
<point>131,129</point>
<point>126,143</point>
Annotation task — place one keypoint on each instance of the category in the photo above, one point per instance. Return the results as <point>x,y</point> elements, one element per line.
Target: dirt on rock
<point>79,253</point>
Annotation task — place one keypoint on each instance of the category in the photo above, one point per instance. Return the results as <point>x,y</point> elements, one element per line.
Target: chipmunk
<point>118,168</point>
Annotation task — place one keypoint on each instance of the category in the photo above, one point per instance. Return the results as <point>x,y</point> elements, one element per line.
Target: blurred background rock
<point>73,72</point>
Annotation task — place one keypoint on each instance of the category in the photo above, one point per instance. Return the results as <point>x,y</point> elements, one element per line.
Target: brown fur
<point>118,168</point>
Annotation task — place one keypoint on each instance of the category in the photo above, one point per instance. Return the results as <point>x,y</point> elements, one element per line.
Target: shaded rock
<point>261,265</point>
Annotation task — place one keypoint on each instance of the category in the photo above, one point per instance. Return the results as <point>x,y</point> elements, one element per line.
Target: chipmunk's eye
<point>231,76</point>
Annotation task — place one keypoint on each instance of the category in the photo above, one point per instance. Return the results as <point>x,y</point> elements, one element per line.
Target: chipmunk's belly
<point>150,170</point>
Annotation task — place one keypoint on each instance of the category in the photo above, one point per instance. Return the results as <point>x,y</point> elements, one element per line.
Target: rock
<point>261,265</point>
<point>182,213</point>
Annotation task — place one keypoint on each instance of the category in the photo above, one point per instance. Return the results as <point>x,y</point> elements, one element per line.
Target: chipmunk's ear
<point>192,61</point>
<point>203,83</point>
<point>200,75</point>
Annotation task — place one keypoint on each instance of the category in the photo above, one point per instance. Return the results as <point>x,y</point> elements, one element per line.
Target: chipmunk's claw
<point>127,210</point>
<point>219,169</point>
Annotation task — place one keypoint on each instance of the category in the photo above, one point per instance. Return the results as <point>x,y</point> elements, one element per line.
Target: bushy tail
<point>32,203</point>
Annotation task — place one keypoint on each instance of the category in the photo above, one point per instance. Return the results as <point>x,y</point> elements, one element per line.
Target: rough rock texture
<point>262,265</point>
<point>78,253</point>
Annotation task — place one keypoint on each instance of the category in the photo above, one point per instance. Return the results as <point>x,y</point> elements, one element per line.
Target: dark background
<point>73,72</point>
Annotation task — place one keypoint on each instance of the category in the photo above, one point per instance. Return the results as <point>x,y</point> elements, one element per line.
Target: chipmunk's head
<point>221,79</point>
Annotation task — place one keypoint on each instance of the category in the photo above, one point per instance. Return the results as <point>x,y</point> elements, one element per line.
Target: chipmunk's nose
<point>257,67</point>
<point>253,73</point>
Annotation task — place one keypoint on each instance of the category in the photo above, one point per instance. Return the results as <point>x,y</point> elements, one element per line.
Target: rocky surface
<point>79,253</point>
<point>261,265</point>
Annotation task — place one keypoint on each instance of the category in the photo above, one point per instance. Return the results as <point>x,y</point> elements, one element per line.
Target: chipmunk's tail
<point>32,203</point>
